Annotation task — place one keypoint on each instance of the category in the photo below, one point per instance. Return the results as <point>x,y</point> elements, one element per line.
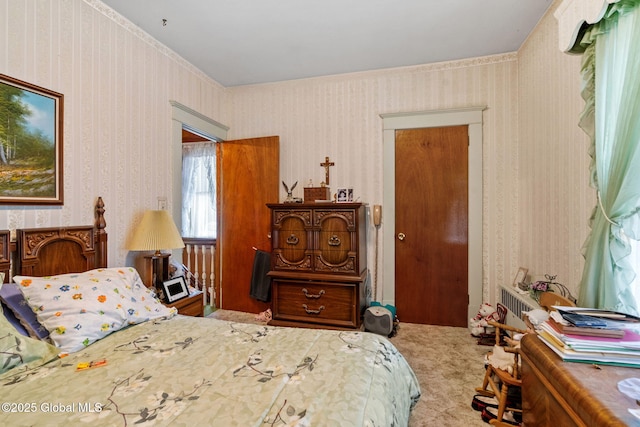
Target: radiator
<point>516,303</point>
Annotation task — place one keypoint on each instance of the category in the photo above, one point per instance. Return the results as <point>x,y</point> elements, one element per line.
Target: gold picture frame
<point>30,144</point>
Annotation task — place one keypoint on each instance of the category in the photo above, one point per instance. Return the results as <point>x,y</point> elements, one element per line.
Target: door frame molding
<point>423,119</point>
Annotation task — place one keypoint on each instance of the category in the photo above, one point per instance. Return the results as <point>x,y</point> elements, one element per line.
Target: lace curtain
<point>199,190</point>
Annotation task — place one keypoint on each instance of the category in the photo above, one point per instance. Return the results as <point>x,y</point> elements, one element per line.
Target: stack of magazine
<point>589,335</point>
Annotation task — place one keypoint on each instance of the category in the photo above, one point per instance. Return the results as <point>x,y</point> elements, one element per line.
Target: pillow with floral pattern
<point>144,303</point>
<point>80,308</point>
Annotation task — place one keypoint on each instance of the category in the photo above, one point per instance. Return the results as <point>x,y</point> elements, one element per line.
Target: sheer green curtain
<point>611,89</point>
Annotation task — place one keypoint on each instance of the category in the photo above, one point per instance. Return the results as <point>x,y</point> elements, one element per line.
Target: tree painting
<point>29,160</point>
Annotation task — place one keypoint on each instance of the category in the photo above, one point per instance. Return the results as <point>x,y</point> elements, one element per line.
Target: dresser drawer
<point>327,303</point>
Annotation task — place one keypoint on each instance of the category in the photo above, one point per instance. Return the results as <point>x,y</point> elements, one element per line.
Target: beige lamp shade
<point>156,232</point>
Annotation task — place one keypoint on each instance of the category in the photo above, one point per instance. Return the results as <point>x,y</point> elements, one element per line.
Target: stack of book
<point>589,335</point>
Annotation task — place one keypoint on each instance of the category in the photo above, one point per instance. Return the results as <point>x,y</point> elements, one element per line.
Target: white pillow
<point>80,308</point>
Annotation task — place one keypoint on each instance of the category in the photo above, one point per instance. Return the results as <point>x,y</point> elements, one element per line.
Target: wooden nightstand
<point>189,306</point>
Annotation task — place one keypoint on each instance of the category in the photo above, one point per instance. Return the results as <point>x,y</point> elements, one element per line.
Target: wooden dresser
<point>318,264</point>
<point>557,393</point>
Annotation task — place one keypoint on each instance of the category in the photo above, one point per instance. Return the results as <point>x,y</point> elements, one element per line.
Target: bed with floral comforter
<point>186,371</point>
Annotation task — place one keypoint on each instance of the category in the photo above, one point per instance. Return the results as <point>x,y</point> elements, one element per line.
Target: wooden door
<point>431,208</point>
<point>248,179</point>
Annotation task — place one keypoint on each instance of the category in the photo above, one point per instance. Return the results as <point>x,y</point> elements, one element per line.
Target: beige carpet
<point>447,362</point>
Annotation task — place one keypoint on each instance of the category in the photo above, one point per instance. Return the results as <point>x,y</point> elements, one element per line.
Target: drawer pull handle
<point>292,240</point>
<point>334,240</point>
<point>312,311</point>
<point>308,295</point>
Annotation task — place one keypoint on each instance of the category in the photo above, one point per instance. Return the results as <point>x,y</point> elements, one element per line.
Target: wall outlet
<point>162,203</point>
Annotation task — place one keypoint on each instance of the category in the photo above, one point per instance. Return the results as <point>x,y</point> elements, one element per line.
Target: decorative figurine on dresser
<point>318,264</point>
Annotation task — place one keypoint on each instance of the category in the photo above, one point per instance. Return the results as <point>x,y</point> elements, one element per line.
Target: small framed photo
<point>175,289</point>
<point>521,276</point>
<point>345,195</point>
<point>342,195</point>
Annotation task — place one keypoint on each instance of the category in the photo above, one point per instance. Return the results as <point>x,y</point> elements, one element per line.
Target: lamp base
<point>156,270</point>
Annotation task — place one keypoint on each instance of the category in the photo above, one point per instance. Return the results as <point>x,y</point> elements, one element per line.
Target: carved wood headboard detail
<point>60,250</point>
<point>5,253</point>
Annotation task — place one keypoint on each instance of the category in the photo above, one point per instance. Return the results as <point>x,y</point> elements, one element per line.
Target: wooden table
<point>557,393</point>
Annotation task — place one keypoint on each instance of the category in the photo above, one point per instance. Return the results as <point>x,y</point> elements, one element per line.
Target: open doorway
<point>199,227</point>
<point>247,178</point>
<point>199,255</point>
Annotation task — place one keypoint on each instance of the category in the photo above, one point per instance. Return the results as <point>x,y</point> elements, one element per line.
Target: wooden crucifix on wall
<point>327,164</point>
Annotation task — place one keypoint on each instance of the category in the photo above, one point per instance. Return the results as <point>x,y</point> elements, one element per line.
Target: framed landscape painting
<point>30,144</point>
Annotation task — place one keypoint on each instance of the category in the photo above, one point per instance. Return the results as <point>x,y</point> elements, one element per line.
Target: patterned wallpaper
<point>118,82</point>
<point>555,199</point>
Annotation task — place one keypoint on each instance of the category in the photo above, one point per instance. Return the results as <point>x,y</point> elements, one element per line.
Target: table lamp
<point>156,232</point>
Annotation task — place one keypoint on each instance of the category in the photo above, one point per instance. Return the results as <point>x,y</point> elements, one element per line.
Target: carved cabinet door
<point>336,241</point>
<point>292,239</point>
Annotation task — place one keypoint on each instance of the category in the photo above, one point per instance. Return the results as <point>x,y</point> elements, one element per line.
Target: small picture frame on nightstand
<point>175,289</point>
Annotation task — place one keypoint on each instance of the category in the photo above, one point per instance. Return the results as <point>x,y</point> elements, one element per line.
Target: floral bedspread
<point>188,371</point>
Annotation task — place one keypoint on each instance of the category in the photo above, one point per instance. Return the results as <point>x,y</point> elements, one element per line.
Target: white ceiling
<point>239,42</point>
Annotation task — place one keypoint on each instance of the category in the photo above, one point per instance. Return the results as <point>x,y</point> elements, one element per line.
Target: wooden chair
<point>497,382</point>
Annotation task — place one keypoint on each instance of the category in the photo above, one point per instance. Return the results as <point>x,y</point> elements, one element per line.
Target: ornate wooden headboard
<point>59,250</point>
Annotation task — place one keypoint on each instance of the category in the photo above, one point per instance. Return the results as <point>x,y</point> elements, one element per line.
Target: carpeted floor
<point>447,362</point>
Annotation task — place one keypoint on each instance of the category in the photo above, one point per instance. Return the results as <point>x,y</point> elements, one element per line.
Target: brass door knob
<point>401,236</point>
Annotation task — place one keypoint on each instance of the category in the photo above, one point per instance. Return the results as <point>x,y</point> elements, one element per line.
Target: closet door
<point>431,225</point>
<point>248,179</point>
